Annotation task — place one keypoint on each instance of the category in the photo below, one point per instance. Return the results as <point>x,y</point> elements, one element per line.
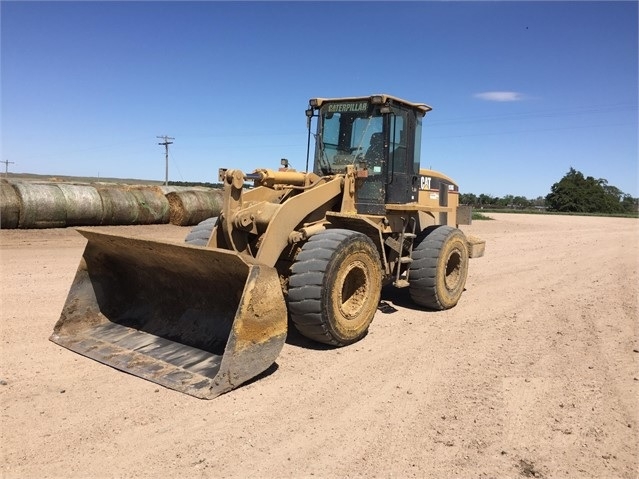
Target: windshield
<point>344,135</point>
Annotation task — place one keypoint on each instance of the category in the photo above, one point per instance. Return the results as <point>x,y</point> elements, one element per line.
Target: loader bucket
<point>197,320</point>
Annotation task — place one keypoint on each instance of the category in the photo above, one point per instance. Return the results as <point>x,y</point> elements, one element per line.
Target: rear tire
<point>335,287</point>
<point>200,234</point>
<point>439,269</point>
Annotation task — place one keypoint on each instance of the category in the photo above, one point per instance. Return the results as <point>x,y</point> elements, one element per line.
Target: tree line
<point>574,193</point>
<point>206,184</point>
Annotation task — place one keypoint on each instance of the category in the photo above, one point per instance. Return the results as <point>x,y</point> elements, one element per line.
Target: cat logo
<point>425,183</point>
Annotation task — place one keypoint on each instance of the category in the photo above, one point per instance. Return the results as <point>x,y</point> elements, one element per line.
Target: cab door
<point>370,194</point>
<point>403,171</point>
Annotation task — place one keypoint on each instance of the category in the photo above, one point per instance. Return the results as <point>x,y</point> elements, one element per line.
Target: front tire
<point>335,287</point>
<point>439,269</point>
<point>201,233</point>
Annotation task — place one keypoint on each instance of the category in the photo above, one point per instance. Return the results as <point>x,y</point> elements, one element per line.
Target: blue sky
<point>521,91</point>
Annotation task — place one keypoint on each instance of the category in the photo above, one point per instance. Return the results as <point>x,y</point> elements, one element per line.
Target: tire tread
<point>305,284</point>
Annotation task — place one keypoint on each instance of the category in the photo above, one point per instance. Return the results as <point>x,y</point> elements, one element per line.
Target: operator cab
<point>380,134</point>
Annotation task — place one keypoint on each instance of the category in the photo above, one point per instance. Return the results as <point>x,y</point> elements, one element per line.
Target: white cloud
<point>500,96</point>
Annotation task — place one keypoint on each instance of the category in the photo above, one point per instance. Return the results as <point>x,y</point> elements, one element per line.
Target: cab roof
<point>422,107</point>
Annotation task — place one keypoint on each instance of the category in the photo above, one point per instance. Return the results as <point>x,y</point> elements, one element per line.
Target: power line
<point>166,144</point>
<point>177,167</point>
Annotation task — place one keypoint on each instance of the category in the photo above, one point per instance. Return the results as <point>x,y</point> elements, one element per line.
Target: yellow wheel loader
<point>315,247</point>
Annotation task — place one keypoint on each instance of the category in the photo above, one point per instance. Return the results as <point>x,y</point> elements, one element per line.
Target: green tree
<point>506,201</point>
<point>522,202</point>
<point>579,194</point>
<point>468,199</point>
<point>629,204</point>
<point>485,200</point>
<point>539,201</point>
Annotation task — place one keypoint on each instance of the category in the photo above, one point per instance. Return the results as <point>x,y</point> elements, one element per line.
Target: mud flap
<point>198,320</point>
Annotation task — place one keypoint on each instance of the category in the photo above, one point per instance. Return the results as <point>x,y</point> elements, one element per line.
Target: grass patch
<point>481,216</point>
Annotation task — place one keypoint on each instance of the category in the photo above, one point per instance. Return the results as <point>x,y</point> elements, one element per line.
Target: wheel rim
<point>453,270</point>
<point>353,290</point>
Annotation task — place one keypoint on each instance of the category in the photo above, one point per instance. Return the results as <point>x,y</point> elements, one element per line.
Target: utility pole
<point>166,144</point>
<point>6,167</point>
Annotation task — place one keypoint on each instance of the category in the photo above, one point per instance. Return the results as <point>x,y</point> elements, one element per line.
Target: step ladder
<point>405,251</point>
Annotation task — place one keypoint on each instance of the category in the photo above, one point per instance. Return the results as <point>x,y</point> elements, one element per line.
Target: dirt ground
<point>535,373</point>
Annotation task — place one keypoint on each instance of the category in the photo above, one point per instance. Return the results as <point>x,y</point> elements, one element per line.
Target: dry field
<point>534,374</point>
